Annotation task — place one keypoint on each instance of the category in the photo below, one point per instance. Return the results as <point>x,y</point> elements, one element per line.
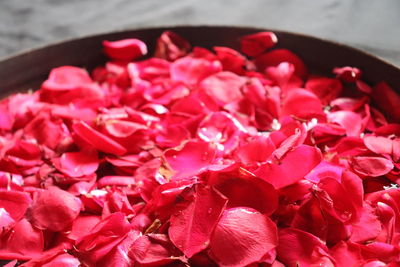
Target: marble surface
<point>371,25</point>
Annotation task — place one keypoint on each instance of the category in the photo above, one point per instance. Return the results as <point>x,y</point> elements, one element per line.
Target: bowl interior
<point>27,70</point>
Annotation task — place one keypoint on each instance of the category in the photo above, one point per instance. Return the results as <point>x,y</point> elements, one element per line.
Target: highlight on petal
<point>126,49</point>
<point>348,74</point>
<point>242,236</point>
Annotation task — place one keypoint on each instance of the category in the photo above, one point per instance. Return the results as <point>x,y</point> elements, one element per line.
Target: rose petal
<point>371,166</point>
<point>97,139</point>
<point>224,86</point>
<point>274,57</point>
<point>292,168</point>
<point>126,49</point>
<point>171,46</point>
<point>77,164</point>
<point>54,209</point>
<point>348,74</point>
<point>297,247</point>
<point>190,159</point>
<point>191,227</point>
<point>256,43</point>
<point>242,236</point>
<point>15,203</point>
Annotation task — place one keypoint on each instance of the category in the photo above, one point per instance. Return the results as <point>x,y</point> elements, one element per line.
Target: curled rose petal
<point>171,46</point>
<point>54,209</point>
<point>274,57</point>
<point>97,139</point>
<point>102,238</point>
<point>242,236</point>
<point>231,60</point>
<point>153,250</point>
<point>126,49</point>
<point>255,44</point>
<point>66,78</point>
<point>348,74</point>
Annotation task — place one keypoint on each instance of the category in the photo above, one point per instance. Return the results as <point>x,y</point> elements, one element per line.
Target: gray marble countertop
<point>371,25</point>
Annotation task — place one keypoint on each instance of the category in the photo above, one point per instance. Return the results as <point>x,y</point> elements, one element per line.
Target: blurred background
<point>371,25</point>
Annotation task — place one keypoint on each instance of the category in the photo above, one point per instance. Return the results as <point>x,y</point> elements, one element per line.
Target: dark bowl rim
<point>195,26</point>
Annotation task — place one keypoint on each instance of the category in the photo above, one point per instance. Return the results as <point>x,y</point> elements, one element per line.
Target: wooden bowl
<point>27,70</point>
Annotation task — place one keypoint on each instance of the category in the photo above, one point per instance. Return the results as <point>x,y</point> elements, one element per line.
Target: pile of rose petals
<point>197,157</point>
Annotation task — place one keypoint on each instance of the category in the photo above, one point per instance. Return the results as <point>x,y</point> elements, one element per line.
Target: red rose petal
<point>152,250</point>
<point>77,164</point>
<point>258,149</point>
<point>15,203</point>
<point>325,88</point>
<point>190,159</point>
<point>193,70</point>
<point>297,247</point>
<point>224,86</point>
<point>256,43</point>
<point>302,103</point>
<point>348,74</point>
<point>23,243</point>
<point>292,168</point>
<point>349,120</point>
<point>371,166</point>
<point>171,46</point>
<point>379,144</point>
<point>274,57</point>
<point>97,139</point>
<point>54,209</point>
<point>242,236</point>
<point>102,238</point>
<point>191,228</point>
<point>387,99</point>
<point>126,49</point>
<point>66,78</point>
